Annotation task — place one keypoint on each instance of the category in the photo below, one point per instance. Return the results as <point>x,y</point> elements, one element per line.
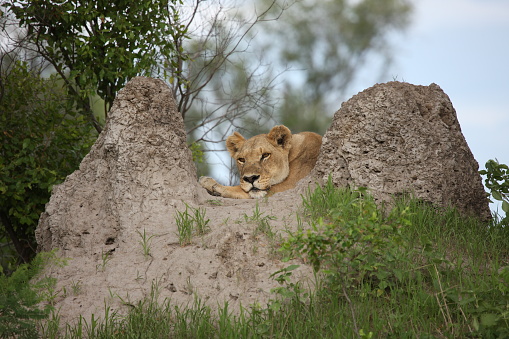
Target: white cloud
<point>440,14</point>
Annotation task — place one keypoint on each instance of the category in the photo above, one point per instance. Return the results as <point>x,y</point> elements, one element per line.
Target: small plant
<point>288,289</point>
<point>185,226</point>
<point>261,221</point>
<point>76,287</point>
<point>105,258</point>
<point>190,223</point>
<point>202,224</point>
<point>497,181</point>
<point>47,290</point>
<point>145,242</point>
<point>263,227</point>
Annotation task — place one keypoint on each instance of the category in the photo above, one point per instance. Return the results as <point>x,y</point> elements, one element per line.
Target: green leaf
<point>26,143</point>
<point>489,319</point>
<point>496,195</point>
<point>291,267</point>
<point>475,324</point>
<point>505,207</point>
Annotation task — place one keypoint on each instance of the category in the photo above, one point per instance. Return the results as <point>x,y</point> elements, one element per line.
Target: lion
<point>268,163</point>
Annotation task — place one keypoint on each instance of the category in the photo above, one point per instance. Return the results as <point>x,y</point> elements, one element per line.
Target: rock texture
<point>400,138</point>
<point>115,218</point>
<point>139,169</point>
<point>138,176</point>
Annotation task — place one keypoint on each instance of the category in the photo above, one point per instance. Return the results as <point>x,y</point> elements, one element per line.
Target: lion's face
<point>262,160</point>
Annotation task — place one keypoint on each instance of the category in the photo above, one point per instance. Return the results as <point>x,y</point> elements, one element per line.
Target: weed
<point>352,240</point>
<point>202,224</point>
<point>47,290</point>
<point>185,226</point>
<point>263,227</point>
<point>190,223</point>
<point>76,287</point>
<point>105,258</point>
<point>145,242</point>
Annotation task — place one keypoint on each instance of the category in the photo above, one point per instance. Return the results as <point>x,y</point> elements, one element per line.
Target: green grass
<point>415,271</point>
<point>263,227</point>
<point>191,222</point>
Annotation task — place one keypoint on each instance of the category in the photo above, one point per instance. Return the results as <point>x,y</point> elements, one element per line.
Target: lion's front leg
<point>215,188</point>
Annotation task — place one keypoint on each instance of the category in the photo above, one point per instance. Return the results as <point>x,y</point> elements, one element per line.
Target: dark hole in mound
<point>109,241</point>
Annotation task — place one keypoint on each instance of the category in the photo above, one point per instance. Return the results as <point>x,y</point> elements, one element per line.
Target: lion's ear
<point>280,136</point>
<point>234,142</point>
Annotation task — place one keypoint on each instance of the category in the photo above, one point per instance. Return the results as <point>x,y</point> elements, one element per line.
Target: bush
<point>351,241</point>
<point>497,181</point>
<point>19,299</point>
<point>42,140</point>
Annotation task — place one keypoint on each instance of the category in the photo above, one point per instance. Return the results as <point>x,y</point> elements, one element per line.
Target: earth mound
<point>397,138</point>
<point>128,193</point>
<point>116,218</point>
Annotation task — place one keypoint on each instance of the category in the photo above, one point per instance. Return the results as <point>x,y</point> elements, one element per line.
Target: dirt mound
<point>137,177</point>
<point>115,218</point>
<point>397,137</point>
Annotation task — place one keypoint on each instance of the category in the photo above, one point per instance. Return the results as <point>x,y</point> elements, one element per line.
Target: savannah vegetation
<point>412,270</point>
<point>430,273</point>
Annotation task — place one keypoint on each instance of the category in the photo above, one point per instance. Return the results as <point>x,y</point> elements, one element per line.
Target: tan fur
<point>268,163</point>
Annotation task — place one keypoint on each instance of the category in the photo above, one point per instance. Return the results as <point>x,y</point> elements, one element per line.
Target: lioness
<point>268,163</point>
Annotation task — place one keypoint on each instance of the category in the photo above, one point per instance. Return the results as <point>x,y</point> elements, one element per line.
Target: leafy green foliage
<point>42,140</point>
<point>19,299</point>
<point>197,152</point>
<point>497,181</point>
<point>96,46</point>
<point>352,240</point>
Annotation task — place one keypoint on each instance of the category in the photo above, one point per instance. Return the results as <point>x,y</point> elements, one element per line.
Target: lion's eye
<point>241,160</point>
<point>265,155</point>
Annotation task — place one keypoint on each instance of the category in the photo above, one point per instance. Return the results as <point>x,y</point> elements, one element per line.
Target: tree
<point>218,84</point>
<point>219,87</point>
<point>42,140</point>
<point>326,44</point>
<point>96,46</point>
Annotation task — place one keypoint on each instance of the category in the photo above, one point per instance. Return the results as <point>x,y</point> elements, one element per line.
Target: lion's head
<point>262,160</point>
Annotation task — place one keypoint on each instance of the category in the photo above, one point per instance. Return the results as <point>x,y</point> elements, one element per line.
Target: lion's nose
<point>251,179</point>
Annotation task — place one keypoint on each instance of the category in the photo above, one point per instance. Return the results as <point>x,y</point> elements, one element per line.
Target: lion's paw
<point>209,184</point>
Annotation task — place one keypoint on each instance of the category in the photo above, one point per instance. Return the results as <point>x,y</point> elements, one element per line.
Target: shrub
<point>497,181</point>
<point>19,299</point>
<point>42,140</point>
<point>350,240</point>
